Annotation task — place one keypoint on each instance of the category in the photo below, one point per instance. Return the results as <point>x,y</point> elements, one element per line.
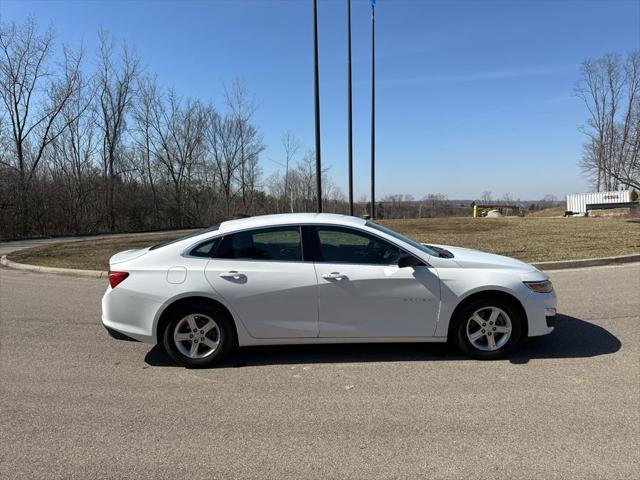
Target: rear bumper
<point>121,331</point>
<point>125,314</point>
<point>118,335</point>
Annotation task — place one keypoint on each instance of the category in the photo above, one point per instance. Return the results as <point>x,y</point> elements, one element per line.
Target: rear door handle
<point>232,274</point>
<point>334,276</point>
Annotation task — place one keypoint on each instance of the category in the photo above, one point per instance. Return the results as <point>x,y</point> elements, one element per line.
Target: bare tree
<point>34,97</point>
<point>116,80</point>
<point>548,201</point>
<point>249,140</point>
<point>223,148</point>
<point>291,147</point>
<point>179,129</point>
<point>306,180</point>
<point>435,203</point>
<point>507,198</point>
<point>610,89</point>
<point>145,110</point>
<point>71,156</point>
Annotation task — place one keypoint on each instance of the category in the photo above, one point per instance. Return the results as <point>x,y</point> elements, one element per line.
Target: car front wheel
<point>199,336</point>
<point>488,329</point>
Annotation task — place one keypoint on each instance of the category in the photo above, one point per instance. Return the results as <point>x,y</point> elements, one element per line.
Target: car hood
<point>468,258</point>
<point>127,255</point>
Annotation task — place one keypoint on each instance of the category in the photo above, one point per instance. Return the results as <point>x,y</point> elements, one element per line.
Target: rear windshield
<point>191,235</point>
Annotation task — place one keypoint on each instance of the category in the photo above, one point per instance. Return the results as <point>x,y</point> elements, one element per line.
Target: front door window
<point>339,245</point>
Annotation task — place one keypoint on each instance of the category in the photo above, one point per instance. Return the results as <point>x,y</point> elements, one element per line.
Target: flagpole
<point>316,89</point>
<point>350,112</point>
<point>373,111</point>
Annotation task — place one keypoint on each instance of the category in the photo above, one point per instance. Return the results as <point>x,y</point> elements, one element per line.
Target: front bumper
<point>541,313</point>
<point>550,316</point>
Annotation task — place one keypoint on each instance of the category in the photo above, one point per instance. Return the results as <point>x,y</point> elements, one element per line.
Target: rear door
<point>363,292</point>
<point>262,275</point>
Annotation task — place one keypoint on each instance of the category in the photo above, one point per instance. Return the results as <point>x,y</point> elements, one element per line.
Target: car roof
<point>287,219</point>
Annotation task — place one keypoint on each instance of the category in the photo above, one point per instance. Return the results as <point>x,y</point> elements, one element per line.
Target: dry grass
<point>88,254</point>
<point>532,239</point>
<point>548,212</point>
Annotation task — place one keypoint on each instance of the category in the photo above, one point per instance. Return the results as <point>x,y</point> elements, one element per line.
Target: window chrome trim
<point>186,251</point>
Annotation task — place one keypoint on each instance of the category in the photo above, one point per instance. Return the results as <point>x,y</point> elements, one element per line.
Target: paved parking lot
<point>76,404</point>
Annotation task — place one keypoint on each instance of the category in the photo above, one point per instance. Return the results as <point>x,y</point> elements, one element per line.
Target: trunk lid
<point>127,255</point>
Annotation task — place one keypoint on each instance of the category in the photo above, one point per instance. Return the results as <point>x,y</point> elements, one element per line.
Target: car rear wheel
<point>198,336</point>
<point>488,328</point>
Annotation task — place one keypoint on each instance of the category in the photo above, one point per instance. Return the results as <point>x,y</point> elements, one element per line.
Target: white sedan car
<point>320,278</point>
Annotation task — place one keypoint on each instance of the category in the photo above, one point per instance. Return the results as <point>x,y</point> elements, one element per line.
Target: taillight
<point>116,277</point>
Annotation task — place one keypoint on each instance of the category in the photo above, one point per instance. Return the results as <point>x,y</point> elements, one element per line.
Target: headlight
<point>540,287</point>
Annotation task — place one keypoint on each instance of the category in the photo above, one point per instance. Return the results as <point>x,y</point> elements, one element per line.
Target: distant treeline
<point>96,145</point>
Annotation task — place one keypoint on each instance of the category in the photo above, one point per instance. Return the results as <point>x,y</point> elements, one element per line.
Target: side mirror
<point>406,260</point>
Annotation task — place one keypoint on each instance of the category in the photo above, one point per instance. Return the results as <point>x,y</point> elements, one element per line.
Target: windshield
<point>428,250</point>
<point>194,234</point>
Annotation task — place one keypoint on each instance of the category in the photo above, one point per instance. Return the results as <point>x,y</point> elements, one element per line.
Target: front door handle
<point>334,276</point>
<point>232,274</point>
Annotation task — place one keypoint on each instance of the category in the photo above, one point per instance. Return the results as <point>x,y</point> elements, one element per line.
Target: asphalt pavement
<point>75,403</point>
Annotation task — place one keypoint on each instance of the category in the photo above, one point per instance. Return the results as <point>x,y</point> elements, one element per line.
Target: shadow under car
<point>572,338</point>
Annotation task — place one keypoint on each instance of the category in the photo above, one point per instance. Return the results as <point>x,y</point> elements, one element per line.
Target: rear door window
<point>282,244</point>
<point>205,249</point>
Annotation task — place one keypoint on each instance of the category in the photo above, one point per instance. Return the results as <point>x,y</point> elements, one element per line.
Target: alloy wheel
<point>197,336</point>
<point>489,329</point>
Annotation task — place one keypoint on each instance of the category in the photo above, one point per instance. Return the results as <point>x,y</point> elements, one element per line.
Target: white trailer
<point>581,203</point>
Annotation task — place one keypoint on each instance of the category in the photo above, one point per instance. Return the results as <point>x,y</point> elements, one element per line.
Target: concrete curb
<point>58,271</point>
<point>587,262</point>
<point>557,265</point>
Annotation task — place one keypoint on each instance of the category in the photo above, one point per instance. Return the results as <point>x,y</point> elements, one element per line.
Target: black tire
<point>201,313</point>
<point>463,322</point>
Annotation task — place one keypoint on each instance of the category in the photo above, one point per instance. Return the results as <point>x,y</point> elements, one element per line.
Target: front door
<point>262,275</point>
<point>363,292</point>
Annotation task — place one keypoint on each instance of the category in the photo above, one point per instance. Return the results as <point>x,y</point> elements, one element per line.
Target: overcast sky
<point>471,96</point>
